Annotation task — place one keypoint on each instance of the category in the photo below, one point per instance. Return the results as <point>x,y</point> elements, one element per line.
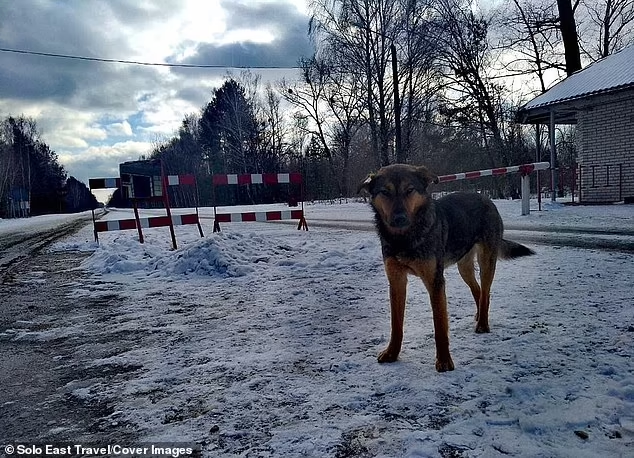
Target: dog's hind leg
<point>466,268</point>
<point>487,260</point>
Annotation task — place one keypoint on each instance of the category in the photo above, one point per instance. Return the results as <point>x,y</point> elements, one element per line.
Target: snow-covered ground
<point>37,223</point>
<point>268,337</point>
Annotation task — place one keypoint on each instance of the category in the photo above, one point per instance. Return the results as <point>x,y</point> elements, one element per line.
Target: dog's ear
<point>366,185</point>
<point>426,176</point>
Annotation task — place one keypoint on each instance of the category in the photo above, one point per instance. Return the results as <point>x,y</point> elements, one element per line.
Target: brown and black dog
<point>422,236</point>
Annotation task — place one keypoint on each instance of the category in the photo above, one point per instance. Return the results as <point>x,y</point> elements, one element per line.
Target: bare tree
<point>607,26</point>
<point>307,96</point>
<point>467,57</point>
<point>328,98</point>
<point>273,130</point>
<point>420,79</point>
<point>531,31</point>
<point>361,33</point>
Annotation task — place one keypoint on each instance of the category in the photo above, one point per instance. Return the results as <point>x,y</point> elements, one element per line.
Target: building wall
<point>605,137</point>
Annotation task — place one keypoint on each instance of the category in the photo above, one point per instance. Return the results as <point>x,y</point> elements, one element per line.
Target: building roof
<point>611,74</point>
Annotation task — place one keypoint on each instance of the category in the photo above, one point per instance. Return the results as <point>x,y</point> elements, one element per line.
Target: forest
<point>434,82</point>
<point>32,181</point>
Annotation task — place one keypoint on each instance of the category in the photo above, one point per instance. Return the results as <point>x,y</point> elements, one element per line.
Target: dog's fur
<point>422,236</point>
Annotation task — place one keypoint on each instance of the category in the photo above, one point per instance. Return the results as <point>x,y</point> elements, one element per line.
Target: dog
<point>421,236</point>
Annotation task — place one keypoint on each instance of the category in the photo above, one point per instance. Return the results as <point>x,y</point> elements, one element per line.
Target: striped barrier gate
<point>139,223</point>
<point>525,170</point>
<point>265,179</point>
<point>156,221</point>
<point>101,183</point>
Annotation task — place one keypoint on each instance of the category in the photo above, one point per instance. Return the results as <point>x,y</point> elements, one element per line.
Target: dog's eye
<point>409,191</point>
<point>384,192</point>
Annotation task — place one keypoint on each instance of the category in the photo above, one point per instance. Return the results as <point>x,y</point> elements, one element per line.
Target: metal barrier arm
<point>524,169</point>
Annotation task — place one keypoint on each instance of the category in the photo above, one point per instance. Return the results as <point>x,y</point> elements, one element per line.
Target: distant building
<point>600,100</point>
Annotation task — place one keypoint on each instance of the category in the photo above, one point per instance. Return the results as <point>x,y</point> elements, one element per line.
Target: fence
<point>587,183</point>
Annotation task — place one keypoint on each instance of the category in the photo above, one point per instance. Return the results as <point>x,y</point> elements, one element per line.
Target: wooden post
<point>166,201</point>
<point>137,219</point>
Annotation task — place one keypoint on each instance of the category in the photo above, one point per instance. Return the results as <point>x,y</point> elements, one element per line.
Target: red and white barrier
<point>104,183</point>
<point>259,216</point>
<point>175,180</point>
<point>139,223</point>
<point>156,221</point>
<point>524,169</point>
<point>266,179</point>
<point>257,178</point>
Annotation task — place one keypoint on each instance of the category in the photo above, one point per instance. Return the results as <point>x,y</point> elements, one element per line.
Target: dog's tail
<point>511,250</point>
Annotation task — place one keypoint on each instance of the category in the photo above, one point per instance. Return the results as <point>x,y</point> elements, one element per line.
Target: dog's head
<point>397,193</point>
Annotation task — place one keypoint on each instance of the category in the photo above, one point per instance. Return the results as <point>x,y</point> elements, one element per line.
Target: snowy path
<point>268,343</point>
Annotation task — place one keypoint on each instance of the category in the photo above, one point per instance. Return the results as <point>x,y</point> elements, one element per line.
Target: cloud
<point>94,114</point>
<point>119,129</point>
<point>263,35</point>
<point>102,161</point>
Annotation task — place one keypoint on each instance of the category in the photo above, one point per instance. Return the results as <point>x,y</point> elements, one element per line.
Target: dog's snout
<point>399,220</point>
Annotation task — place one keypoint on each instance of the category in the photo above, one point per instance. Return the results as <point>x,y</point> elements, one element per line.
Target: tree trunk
<point>569,35</point>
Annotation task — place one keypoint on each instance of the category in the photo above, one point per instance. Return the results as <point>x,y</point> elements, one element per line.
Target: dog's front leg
<point>397,278</point>
<point>433,277</point>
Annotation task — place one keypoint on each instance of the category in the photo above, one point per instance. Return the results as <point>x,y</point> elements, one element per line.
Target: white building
<point>600,100</point>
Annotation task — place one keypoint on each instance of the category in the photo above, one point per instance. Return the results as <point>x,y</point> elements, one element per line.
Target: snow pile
<point>224,254</point>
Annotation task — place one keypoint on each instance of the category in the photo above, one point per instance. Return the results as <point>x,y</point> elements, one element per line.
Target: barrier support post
<point>94,227</point>
<point>200,228</point>
<point>302,221</point>
<point>213,196</point>
<point>138,220</point>
<point>525,170</point>
<point>216,223</point>
<point>166,203</point>
<point>526,194</point>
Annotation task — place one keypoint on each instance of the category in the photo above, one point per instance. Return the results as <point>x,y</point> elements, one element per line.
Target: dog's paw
<point>482,328</point>
<point>387,356</point>
<point>444,366</point>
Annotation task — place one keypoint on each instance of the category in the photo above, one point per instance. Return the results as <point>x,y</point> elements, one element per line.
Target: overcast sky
<point>95,115</point>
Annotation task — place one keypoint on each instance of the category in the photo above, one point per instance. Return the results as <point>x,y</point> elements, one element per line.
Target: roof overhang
<point>541,115</point>
<point>565,111</point>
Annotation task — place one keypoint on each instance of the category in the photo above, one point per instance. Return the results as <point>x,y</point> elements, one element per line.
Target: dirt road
<point>35,404</point>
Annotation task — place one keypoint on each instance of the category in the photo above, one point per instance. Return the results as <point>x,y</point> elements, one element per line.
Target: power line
<point>134,62</point>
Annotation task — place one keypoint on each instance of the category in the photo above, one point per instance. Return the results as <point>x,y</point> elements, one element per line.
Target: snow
<point>262,340</point>
<point>37,223</point>
<point>611,73</point>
